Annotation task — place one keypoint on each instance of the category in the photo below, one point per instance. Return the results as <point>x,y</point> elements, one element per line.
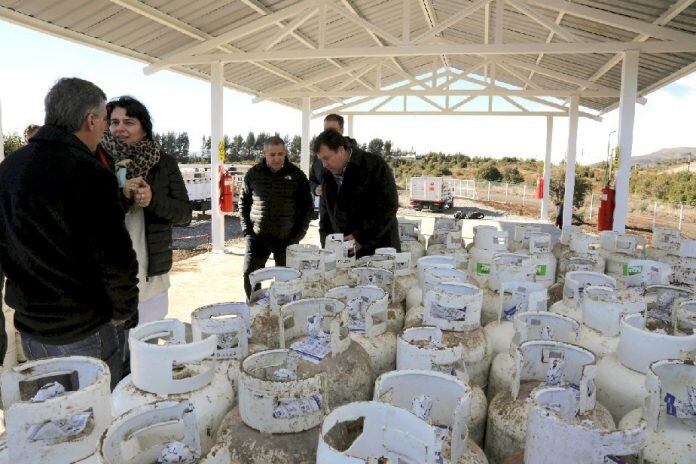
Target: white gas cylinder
<point>429,349</point>
<point>318,267</point>
<point>432,277</point>
<point>670,247</point>
<point>545,262</point>
<point>506,267</point>
<point>488,241</point>
<point>412,241</point>
<point>557,433</point>
<point>316,330</point>
<point>282,402</point>
<point>670,411</point>
<point>563,244</point>
<point>585,246</point>
<point>367,322</point>
<point>54,407</point>
<point>278,286</point>
<point>403,273</point>
<point>547,363</point>
<point>602,309</point>
<point>456,309</point>
<point>642,273</point>
<point>521,236</point>
<point>384,279</point>
<point>574,292</point>
<point>442,401</point>
<point>573,264</point>
<point>414,296</point>
<point>372,432</point>
<point>230,323</point>
<point>10,359</point>
<point>164,432</point>
<point>686,315</point>
<point>621,376</point>
<point>175,370</point>
<point>345,257</point>
<point>618,249</point>
<point>446,229</point>
<point>527,326</point>
<point>513,297</point>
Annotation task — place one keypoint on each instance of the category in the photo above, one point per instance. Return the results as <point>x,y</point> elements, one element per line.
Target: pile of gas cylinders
<point>443,353</point>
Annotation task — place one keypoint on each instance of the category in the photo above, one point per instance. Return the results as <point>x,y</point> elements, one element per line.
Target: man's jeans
<point>106,344</point>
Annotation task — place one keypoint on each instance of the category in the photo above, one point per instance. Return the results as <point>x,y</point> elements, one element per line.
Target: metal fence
<point>646,213</point>
<point>462,188</point>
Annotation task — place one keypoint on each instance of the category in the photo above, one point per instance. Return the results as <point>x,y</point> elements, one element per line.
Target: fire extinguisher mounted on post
<point>605,217</point>
<point>226,200</point>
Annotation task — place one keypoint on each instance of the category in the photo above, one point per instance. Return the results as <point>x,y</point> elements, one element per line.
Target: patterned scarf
<point>142,155</point>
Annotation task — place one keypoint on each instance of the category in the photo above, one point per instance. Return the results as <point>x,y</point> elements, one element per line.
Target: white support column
<point>306,118</point>
<point>570,161</point>
<point>348,129</point>
<point>2,137</point>
<point>627,111</point>
<point>216,143</point>
<point>547,170</point>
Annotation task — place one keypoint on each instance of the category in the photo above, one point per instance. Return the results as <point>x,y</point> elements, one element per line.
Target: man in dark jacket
<point>336,122</point>
<point>276,208</point>
<point>3,334</point>
<point>70,266</point>
<point>360,195</point>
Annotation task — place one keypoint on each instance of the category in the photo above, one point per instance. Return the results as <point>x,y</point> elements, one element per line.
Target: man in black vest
<point>359,193</point>
<point>276,208</point>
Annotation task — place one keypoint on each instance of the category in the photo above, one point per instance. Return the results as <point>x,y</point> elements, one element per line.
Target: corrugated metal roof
<point>153,30</point>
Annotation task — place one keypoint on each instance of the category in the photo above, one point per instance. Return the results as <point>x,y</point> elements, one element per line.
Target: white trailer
<point>430,192</point>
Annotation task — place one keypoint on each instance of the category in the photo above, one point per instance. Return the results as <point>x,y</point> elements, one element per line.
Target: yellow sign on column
<point>221,151</point>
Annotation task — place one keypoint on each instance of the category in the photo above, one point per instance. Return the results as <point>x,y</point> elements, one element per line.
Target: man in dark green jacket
<point>275,208</point>
<point>359,193</point>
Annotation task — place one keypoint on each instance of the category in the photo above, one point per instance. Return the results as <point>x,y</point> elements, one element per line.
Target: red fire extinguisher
<point>226,192</point>
<point>605,218</point>
<point>540,188</point>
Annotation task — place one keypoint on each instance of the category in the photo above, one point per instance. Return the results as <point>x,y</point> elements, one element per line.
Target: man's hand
<point>317,191</point>
<point>350,237</point>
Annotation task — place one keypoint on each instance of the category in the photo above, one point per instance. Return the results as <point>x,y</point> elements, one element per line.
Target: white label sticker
<point>449,314</point>
<point>312,349</point>
<point>287,408</point>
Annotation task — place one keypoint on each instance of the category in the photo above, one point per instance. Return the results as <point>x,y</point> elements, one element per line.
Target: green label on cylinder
<point>541,270</point>
<point>627,270</point>
<point>483,268</point>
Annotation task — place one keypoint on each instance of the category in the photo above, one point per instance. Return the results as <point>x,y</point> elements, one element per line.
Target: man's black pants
<point>258,249</point>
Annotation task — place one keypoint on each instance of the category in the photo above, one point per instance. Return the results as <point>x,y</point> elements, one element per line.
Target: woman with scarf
<point>155,196</point>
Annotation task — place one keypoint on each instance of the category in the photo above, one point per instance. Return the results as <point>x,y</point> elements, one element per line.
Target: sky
<point>30,62</point>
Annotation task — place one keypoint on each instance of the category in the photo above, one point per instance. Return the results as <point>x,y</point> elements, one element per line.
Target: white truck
<point>430,192</point>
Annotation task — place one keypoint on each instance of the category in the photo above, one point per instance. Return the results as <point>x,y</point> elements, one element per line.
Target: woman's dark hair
<point>332,139</point>
<point>134,109</point>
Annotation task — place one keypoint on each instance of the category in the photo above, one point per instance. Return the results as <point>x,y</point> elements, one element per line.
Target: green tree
<point>249,144</point>
<point>376,146</point>
<point>489,172</point>
<point>512,175</point>
<point>12,142</point>
<point>387,148</point>
<point>295,148</point>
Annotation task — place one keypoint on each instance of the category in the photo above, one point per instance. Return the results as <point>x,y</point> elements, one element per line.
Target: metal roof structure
<point>345,54</point>
<point>543,58</point>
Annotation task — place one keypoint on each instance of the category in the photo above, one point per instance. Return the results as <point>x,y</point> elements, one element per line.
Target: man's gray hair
<point>69,102</point>
<point>273,140</point>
